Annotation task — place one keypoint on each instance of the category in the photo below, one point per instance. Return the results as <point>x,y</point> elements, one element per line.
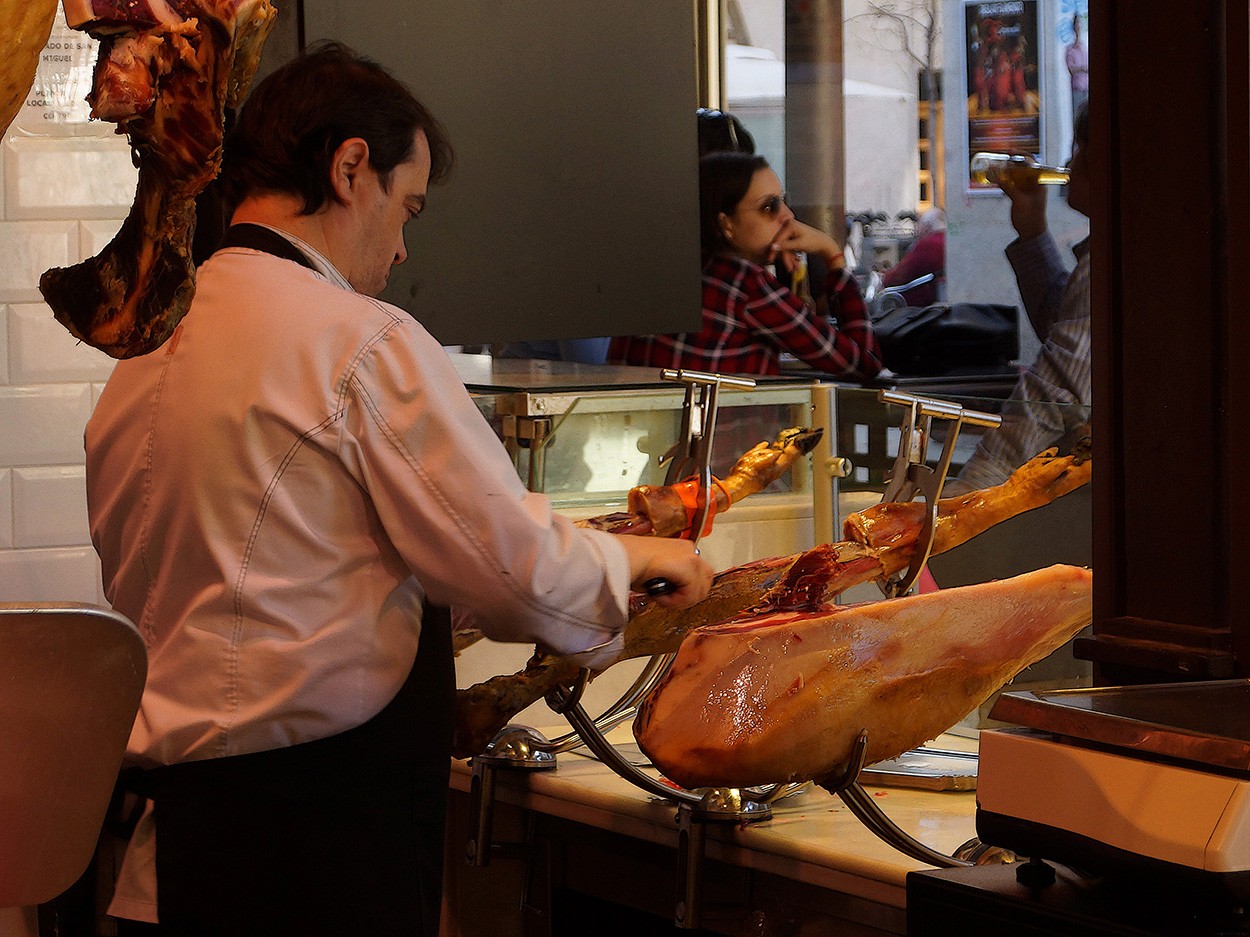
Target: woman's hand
<point>797,236</point>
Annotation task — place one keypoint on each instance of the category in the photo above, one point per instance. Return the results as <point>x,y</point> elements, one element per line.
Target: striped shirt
<point>1050,405</point>
<point>750,319</point>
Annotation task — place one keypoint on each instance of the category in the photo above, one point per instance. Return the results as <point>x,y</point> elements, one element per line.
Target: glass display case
<point>585,434</point>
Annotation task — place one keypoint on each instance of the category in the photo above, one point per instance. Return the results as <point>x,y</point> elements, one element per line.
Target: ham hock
<point>167,70</point>
<point>785,696</point>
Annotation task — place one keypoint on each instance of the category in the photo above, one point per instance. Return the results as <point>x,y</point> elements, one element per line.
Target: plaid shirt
<point>749,319</point>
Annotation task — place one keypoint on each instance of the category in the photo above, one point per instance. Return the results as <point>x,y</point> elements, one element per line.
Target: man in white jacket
<point>285,497</point>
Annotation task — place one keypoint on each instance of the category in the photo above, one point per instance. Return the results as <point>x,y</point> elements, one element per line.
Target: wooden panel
<point>1236,351</point>
<point>1168,148</point>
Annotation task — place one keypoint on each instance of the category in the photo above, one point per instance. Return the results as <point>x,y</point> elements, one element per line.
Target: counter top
<point>811,838</point>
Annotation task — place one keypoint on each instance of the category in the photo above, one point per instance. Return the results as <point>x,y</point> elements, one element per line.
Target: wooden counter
<point>596,844</point>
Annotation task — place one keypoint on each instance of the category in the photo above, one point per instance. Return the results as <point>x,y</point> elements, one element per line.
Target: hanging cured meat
<point>166,72</point>
<point>803,580</point>
<point>784,696</point>
<point>25,25</point>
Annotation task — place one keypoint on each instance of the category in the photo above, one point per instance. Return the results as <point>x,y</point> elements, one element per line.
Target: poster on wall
<point>1003,79</point>
<point>1072,48</point>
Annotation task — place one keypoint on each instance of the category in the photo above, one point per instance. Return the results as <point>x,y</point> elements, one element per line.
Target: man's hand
<point>1028,205</point>
<point>673,560</point>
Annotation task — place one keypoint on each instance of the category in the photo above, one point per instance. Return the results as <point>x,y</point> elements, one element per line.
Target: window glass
<point>923,85</point>
<point>907,142</point>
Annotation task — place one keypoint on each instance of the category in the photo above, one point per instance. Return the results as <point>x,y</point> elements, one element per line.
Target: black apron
<point>339,836</point>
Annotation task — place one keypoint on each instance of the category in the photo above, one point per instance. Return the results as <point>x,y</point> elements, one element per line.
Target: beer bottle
<point>992,168</point>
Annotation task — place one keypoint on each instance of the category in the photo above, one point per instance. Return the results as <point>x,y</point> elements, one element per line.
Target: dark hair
<point>296,118</point>
<point>724,178</point>
<point>720,131</point>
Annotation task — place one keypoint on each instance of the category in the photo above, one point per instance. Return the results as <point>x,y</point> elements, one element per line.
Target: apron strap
<point>259,238</point>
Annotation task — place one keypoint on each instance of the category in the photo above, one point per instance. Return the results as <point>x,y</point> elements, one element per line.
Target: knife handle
<point>658,586</point>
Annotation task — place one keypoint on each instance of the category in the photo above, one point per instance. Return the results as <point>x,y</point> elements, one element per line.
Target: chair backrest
<point>70,681</point>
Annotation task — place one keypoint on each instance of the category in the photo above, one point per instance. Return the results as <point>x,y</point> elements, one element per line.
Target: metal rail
<point>912,475</point>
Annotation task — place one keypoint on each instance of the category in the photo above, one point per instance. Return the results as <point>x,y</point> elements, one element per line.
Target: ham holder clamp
<point>520,747</point>
<point>910,477</point>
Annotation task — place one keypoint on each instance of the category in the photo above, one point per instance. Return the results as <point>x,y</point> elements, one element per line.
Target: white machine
<point>1149,782</point>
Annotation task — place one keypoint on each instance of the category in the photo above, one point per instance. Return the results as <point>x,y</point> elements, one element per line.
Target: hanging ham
<point>166,72</point>
<point>26,27</point>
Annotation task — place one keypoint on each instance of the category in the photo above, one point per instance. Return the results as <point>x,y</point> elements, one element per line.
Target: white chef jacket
<point>273,491</point>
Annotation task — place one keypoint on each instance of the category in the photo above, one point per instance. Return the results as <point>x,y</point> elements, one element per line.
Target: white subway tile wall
<point>57,575</point>
<point>6,510</point>
<point>62,199</point>
<point>27,249</point>
<point>50,177</point>
<point>50,507</point>
<point>4,347</point>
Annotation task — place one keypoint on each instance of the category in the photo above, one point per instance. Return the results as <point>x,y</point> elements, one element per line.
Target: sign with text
<point>57,100</point>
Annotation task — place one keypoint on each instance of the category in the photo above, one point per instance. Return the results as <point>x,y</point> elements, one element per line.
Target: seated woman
<point>749,318</point>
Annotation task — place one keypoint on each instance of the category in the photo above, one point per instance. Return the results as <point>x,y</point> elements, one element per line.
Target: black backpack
<point>948,337</point>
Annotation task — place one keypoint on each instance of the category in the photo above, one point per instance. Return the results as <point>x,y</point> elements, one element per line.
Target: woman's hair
<point>296,118</point>
<point>724,178</point>
<point>721,131</point>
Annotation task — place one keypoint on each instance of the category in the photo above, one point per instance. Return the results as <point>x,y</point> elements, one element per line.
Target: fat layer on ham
<point>785,696</point>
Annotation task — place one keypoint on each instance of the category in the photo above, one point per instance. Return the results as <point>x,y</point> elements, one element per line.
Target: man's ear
<point>349,160</point>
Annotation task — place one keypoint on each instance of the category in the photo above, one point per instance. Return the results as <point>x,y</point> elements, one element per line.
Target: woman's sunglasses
<point>771,206</point>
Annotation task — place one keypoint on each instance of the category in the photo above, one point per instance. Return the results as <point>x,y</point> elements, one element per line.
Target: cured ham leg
<point>804,580</point>
<point>784,697</point>
<point>485,708</point>
<point>895,525</point>
<point>668,510</point>
<point>26,27</point>
<point>167,70</point>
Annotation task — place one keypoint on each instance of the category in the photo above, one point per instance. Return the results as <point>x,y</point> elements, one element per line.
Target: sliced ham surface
<point>123,14</point>
<point>785,695</point>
